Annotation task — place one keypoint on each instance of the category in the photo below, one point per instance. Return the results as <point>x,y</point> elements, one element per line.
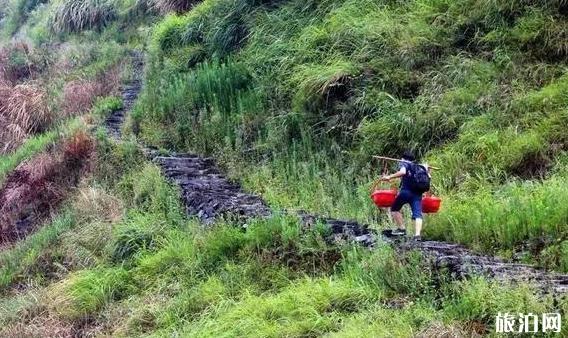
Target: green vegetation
<point>293,98</point>
<point>21,259</point>
<point>297,97</point>
<point>125,256</point>
<point>75,16</point>
<point>18,11</point>
<point>105,106</point>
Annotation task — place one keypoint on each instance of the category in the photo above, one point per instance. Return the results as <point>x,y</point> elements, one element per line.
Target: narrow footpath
<point>208,195</point>
<point>129,91</point>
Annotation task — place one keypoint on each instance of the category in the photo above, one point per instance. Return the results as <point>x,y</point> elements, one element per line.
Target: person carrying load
<point>415,181</point>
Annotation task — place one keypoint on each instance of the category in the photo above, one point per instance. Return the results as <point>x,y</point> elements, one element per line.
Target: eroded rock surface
<point>206,192</point>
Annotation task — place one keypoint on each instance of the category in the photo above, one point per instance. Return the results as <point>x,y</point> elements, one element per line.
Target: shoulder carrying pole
<point>397,160</point>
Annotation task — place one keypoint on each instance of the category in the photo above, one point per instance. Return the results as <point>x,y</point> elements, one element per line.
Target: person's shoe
<point>398,232</point>
<point>417,238</point>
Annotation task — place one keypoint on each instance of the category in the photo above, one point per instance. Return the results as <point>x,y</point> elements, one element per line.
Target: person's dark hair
<point>409,156</point>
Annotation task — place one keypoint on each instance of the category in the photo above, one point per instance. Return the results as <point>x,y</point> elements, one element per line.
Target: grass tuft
<point>71,16</point>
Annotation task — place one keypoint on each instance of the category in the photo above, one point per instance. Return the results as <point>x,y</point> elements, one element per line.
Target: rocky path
<point>208,194</point>
<point>130,91</point>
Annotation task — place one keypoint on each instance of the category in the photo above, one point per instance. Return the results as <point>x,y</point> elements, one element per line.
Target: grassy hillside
<point>305,93</point>
<point>294,98</point>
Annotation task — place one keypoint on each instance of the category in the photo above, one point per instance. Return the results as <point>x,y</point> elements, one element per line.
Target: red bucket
<point>384,198</point>
<point>431,204</point>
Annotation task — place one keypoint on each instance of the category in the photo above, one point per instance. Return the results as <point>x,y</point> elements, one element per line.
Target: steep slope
<point>207,194</point>
<point>295,97</point>
<point>251,110</point>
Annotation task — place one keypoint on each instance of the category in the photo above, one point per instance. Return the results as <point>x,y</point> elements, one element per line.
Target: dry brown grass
<point>39,327</point>
<point>441,330</point>
<point>23,110</point>
<point>37,319</point>
<point>80,95</point>
<point>11,136</point>
<point>96,205</point>
<point>37,187</point>
<point>109,81</point>
<point>26,105</point>
<point>77,148</point>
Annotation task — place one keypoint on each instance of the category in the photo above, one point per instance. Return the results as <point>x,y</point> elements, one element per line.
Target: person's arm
<point>398,174</point>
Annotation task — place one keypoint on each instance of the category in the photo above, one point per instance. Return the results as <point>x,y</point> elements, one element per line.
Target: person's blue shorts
<point>411,198</point>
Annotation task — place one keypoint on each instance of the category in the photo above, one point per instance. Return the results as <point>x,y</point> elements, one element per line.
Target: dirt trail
<point>208,194</point>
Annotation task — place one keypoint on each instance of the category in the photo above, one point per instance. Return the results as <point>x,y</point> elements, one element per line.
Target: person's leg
<point>398,219</point>
<point>416,206</point>
<point>399,202</point>
<point>418,226</point>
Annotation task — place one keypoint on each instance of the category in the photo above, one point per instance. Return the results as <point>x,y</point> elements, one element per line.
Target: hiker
<point>415,180</point>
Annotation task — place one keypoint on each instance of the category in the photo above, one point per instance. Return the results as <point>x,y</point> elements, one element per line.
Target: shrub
<point>71,16</point>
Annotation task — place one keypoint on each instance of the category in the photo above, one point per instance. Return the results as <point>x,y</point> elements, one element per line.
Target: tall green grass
<point>159,274</point>
<point>297,108</point>
<point>517,214</point>
<point>19,261</point>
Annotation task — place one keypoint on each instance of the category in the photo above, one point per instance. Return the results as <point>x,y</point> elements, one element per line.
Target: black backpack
<point>419,178</point>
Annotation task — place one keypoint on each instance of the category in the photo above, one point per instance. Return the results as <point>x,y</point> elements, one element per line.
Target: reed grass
<point>74,16</point>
